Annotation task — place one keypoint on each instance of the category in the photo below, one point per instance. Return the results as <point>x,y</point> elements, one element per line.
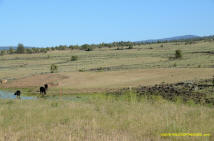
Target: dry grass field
<point>79,82</point>
<point>102,120</point>
<point>143,65</point>
<point>97,117</point>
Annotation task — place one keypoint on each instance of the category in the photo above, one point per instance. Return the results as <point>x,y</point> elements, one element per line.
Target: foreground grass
<point>102,120</point>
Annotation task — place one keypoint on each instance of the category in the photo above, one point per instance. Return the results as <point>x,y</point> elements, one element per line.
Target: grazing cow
<point>17,93</point>
<point>46,87</point>
<point>3,81</point>
<point>42,90</point>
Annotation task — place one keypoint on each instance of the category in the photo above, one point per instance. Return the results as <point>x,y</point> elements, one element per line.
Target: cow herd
<point>43,91</point>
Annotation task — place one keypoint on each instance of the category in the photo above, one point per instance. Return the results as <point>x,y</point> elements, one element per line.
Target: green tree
<point>35,50</point>
<point>43,50</point>
<point>74,58</point>
<point>130,47</point>
<point>85,47</point>
<point>29,50</point>
<point>178,54</point>
<point>20,49</point>
<point>11,50</point>
<point>90,48</point>
<point>3,52</point>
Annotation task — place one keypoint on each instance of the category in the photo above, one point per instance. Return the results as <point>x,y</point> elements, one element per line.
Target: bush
<point>11,50</point>
<point>130,47</point>
<point>3,52</point>
<point>82,70</point>
<point>120,48</point>
<point>20,49</point>
<point>213,81</point>
<point>43,50</point>
<point>89,49</point>
<point>29,51</point>
<point>54,68</point>
<point>74,58</point>
<point>178,54</point>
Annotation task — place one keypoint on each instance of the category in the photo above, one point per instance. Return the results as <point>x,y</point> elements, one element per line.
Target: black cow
<point>46,87</point>
<point>42,90</point>
<point>17,93</point>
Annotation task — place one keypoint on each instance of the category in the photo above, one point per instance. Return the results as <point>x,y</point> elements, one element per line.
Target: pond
<point>8,95</point>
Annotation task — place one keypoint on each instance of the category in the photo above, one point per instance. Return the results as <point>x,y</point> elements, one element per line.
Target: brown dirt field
<point>96,81</point>
<point>116,79</point>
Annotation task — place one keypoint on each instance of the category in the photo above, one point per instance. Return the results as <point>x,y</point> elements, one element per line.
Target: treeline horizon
<point>21,49</point>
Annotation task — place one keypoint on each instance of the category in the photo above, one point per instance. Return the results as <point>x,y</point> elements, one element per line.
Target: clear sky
<point>54,22</point>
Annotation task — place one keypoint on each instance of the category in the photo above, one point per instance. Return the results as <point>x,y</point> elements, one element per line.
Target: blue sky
<point>54,22</point>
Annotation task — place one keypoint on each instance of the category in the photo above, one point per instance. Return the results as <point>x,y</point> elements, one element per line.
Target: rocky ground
<point>201,92</point>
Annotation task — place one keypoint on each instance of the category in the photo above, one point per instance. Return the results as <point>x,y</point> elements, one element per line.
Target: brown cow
<point>3,81</point>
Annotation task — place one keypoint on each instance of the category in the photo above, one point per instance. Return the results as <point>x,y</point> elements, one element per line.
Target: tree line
<point>89,47</point>
<point>22,50</point>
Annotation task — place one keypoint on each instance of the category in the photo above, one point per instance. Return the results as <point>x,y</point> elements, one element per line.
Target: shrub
<point>89,49</point>
<point>3,52</point>
<point>29,51</point>
<point>81,70</point>
<point>101,69</point>
<point>178,54</point>
<point>119,48</point>
<point>130,47</point>
<point>213,81</point>
<point>43,50</point>
<point>54,68</point>
<point>74,58</point>
<point>11,50</point>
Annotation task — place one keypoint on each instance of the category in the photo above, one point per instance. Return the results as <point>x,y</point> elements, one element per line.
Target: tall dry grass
<point>102,120</point>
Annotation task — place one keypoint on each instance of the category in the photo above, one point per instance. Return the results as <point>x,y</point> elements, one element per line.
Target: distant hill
<point>6,48</point>
<point>176,38</point>
<point>184,37</point>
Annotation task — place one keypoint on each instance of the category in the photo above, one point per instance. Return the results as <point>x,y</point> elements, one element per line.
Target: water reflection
<point>8,95</point>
